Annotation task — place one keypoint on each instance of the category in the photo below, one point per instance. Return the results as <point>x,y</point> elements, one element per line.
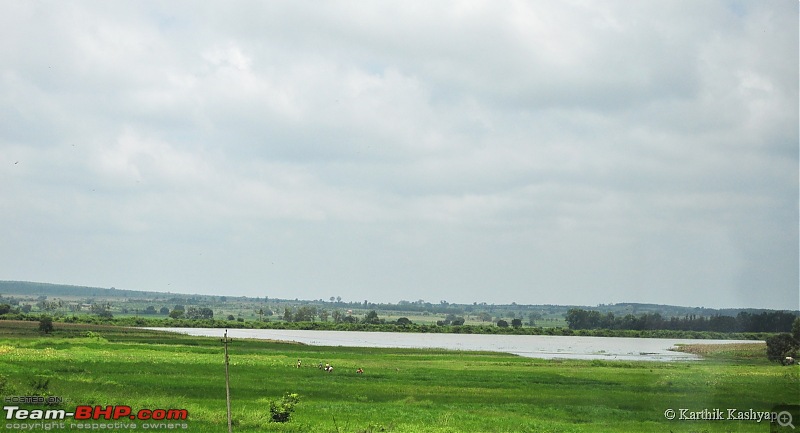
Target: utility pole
<point>225,341</point>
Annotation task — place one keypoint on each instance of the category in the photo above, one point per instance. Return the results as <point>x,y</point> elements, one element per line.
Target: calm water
<point>532,346</point>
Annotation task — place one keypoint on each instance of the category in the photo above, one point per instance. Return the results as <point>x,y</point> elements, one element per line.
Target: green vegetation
<point>139,308</point>
<point>401,390</point>
<point>46,324</point>
<point>370,323</point>
<point>281,410</point>
<point>766,321</point>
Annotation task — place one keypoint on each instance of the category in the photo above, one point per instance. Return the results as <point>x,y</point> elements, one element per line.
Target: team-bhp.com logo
<point>83,413</point>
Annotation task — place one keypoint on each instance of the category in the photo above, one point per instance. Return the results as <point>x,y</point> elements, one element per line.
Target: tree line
<point>772,321</point>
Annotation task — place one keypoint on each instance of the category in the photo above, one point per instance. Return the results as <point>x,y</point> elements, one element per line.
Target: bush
<point>281,410</point>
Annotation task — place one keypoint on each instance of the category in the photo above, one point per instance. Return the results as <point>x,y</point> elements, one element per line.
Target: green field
<point>400,391</point>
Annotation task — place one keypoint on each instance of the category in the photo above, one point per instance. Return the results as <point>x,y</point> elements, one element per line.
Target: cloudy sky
<point>503,151</point>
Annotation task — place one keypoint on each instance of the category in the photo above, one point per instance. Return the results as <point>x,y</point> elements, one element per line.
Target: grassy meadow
<point>401,390</point>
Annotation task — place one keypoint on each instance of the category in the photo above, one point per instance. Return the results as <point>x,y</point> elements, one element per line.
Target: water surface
<point>532,346</point>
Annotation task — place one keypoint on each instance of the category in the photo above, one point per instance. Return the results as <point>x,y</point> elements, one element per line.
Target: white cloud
<point>534,151</point>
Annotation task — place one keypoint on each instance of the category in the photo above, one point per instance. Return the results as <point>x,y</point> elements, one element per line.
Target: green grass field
<point>400,391</point>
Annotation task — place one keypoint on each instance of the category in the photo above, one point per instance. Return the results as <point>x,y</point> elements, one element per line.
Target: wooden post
<point>225,341</point>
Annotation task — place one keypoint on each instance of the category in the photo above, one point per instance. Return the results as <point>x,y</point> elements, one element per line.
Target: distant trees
<point>451,319</point>
<point>516,323</point>
<point>5,308</point>
<point>502,323</point>
<point>164,310</point>
<point>372,318</point>
<point>484,317</point>
<point>199,313</point>
<point>774,321</point>
<point>796,329</point>
<point>304,313</point>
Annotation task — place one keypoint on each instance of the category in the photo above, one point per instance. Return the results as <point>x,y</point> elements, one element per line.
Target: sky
<point>548,152</point>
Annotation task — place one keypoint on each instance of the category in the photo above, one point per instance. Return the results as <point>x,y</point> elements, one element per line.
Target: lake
<point>532,346</point>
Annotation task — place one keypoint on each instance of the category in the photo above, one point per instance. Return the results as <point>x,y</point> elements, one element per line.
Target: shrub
<point>281,410</point>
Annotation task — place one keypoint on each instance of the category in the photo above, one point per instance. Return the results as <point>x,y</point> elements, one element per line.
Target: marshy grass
<point>401,390</point>
<point>731,351</point>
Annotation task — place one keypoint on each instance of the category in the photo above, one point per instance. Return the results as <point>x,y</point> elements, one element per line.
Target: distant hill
<point>47,289</point>
<point>620,309</point>
<point>671,310</point>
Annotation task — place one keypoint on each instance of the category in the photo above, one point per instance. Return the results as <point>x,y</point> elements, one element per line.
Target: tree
<point>502,323</point>
<point>164,310</point>
<point>403,321</point>
<point>484,317</point>
<point>722,324</point>
<point>26,308</point>
<point>46,324</point>
<point>5,308</point>
<point>150,310</point>
<point>176,314</point>
<point>199,313</point>
<point>780,346</point>
<point>305,314</point>
<point>516,323</point>
<point>796,330</point>
<point>372,318</point>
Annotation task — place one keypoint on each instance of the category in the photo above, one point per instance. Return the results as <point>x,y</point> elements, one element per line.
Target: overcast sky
<point>534,152</point>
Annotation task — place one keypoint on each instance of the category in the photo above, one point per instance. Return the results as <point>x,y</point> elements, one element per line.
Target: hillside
<point>26,288</point>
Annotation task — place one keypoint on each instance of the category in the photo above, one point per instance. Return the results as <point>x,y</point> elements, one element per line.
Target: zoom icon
<point>786,417</point>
